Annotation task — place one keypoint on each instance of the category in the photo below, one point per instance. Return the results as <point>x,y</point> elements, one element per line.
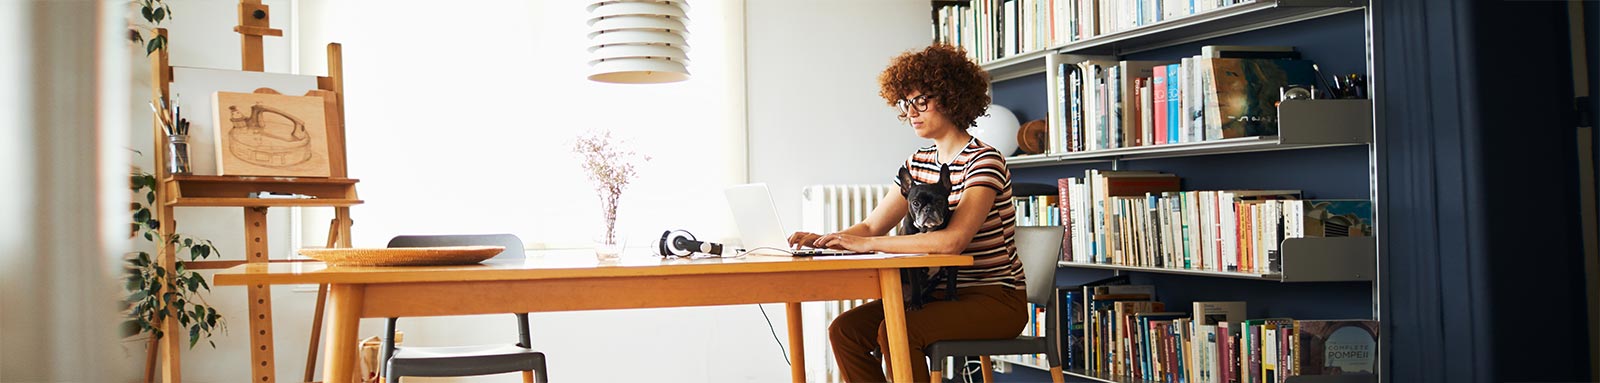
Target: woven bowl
<point>404,256</point>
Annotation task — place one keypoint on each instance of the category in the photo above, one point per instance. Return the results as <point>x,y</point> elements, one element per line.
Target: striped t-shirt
<point>993,249</point>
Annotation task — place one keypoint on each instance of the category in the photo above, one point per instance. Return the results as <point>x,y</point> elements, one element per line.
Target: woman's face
<point>922,112</point>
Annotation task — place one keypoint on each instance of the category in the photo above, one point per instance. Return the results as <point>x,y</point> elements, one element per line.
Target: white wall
<point>815,114</point>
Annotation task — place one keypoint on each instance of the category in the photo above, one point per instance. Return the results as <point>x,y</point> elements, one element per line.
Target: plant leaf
<point>203,284</point>
<point>188,242</point>
<point>146,12</point>
<point>161,14</point>
<point>205,251</point>
<point>194,336</point>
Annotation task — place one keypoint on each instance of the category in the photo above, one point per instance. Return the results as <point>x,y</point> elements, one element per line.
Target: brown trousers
<point>984,312</point>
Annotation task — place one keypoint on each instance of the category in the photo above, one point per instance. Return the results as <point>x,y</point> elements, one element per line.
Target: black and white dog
<point>928,209</point>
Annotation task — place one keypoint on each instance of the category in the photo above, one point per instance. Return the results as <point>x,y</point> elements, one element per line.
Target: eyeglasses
<point>905,105</point>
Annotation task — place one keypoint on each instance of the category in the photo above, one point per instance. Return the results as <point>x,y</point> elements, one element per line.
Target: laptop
<point>757,218</point>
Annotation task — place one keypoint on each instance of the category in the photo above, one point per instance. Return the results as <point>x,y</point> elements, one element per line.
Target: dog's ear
<point>905,180</point>
<point>944,176</point>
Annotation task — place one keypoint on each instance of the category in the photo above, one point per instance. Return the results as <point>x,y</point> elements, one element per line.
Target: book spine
<point>1159,83</point>
<point>1173,132</point>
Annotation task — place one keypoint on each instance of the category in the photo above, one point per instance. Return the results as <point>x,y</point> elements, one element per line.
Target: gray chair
<point>464,360</point>
<point>1040,250</point>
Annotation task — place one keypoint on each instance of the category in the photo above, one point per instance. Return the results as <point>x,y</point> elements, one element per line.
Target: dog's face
<point>929,204</point>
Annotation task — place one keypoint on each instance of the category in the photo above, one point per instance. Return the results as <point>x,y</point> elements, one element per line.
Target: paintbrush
<point>162,119</point>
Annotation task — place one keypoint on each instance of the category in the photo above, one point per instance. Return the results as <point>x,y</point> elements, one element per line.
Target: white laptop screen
<point>757,218</point>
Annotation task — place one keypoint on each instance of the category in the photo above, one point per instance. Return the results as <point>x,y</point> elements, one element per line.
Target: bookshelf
<point>1324,147</point>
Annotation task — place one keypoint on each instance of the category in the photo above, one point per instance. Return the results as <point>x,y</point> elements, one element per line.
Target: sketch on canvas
<point>270,135</point>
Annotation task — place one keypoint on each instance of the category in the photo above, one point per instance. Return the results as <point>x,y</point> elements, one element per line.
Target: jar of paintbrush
<point>177,130</point>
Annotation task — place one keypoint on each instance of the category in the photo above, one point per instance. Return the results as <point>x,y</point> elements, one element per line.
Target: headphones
<point>680,243</point>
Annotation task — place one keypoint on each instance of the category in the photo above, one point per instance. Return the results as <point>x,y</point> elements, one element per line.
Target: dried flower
<point>610,166</point>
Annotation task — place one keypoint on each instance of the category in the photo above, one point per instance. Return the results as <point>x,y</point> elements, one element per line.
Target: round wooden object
<point>1034,137</point>
<point>404,256</point>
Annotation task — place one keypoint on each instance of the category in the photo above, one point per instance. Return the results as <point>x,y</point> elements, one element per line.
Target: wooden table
<point>576,281</point>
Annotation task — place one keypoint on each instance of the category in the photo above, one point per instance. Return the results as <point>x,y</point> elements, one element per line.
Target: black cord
<point>775,335</point>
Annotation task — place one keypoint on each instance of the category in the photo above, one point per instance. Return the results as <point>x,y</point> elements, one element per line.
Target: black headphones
<point>680,243</point>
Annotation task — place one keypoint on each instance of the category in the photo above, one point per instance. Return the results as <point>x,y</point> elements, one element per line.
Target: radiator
<point>826,209</point>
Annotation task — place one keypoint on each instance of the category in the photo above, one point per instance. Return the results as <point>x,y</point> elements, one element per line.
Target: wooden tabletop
<point>561,265</point>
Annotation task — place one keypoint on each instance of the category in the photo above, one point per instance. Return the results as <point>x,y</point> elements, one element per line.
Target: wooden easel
<point>172,191</point>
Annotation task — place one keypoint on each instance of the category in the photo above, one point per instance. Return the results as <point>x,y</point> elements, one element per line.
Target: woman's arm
<point>890,210</point>
<point>953,239</point>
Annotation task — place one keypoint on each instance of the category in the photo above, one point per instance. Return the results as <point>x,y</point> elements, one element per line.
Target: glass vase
<point>608,247</point>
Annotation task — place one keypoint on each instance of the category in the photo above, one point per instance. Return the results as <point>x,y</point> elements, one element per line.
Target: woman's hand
<point>801,238</point>
<point>845,241</point>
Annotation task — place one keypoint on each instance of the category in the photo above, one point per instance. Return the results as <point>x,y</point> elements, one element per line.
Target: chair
<point>463,360</point>
<point>1040,250</point>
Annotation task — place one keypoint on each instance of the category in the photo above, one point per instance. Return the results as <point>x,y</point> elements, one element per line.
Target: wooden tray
<point>404,256</point>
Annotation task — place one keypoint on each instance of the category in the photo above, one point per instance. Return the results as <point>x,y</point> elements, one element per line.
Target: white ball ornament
<point>998,128</point>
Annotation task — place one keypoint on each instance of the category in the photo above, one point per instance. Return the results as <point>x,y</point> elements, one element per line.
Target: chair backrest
<point>1040,250</point>
<point>513,245</point>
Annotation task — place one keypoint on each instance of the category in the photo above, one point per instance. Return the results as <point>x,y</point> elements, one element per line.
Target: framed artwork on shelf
<point>263,134</point>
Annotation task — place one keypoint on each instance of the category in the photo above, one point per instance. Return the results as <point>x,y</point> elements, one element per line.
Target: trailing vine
<point>154,292</point>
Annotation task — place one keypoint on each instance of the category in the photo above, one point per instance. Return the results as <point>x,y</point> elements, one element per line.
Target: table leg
<point>894,317</point>
<point>797,343</point>
<point>340,354</point>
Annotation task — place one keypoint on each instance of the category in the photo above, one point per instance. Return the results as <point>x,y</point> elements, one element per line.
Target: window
<point>461,119</point>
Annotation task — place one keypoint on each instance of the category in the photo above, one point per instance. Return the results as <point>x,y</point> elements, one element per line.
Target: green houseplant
<point>155,293</point>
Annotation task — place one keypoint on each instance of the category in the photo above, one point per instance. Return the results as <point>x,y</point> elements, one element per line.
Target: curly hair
<point>943,72</point>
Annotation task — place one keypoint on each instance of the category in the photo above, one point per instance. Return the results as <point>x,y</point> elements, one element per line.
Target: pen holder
<point>178,154</point>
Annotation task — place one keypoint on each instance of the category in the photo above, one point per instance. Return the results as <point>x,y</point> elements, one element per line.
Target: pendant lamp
<point>638,41</point>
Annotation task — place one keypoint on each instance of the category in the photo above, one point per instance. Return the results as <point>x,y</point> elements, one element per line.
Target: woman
<point>940,93</point>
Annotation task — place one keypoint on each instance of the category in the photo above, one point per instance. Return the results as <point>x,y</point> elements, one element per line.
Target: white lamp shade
<point>638,41</point>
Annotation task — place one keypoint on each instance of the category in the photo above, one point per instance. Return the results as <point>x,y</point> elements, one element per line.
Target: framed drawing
<point>194,86</point>
<point>263,134</point>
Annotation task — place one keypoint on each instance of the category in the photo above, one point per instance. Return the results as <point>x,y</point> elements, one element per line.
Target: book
<point>1329,218</point>
<point>1174,111</point>
<point>1211,313</point>
<point>1243,95</point>
<point>1158,84</point>
<point>1336,347</point>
